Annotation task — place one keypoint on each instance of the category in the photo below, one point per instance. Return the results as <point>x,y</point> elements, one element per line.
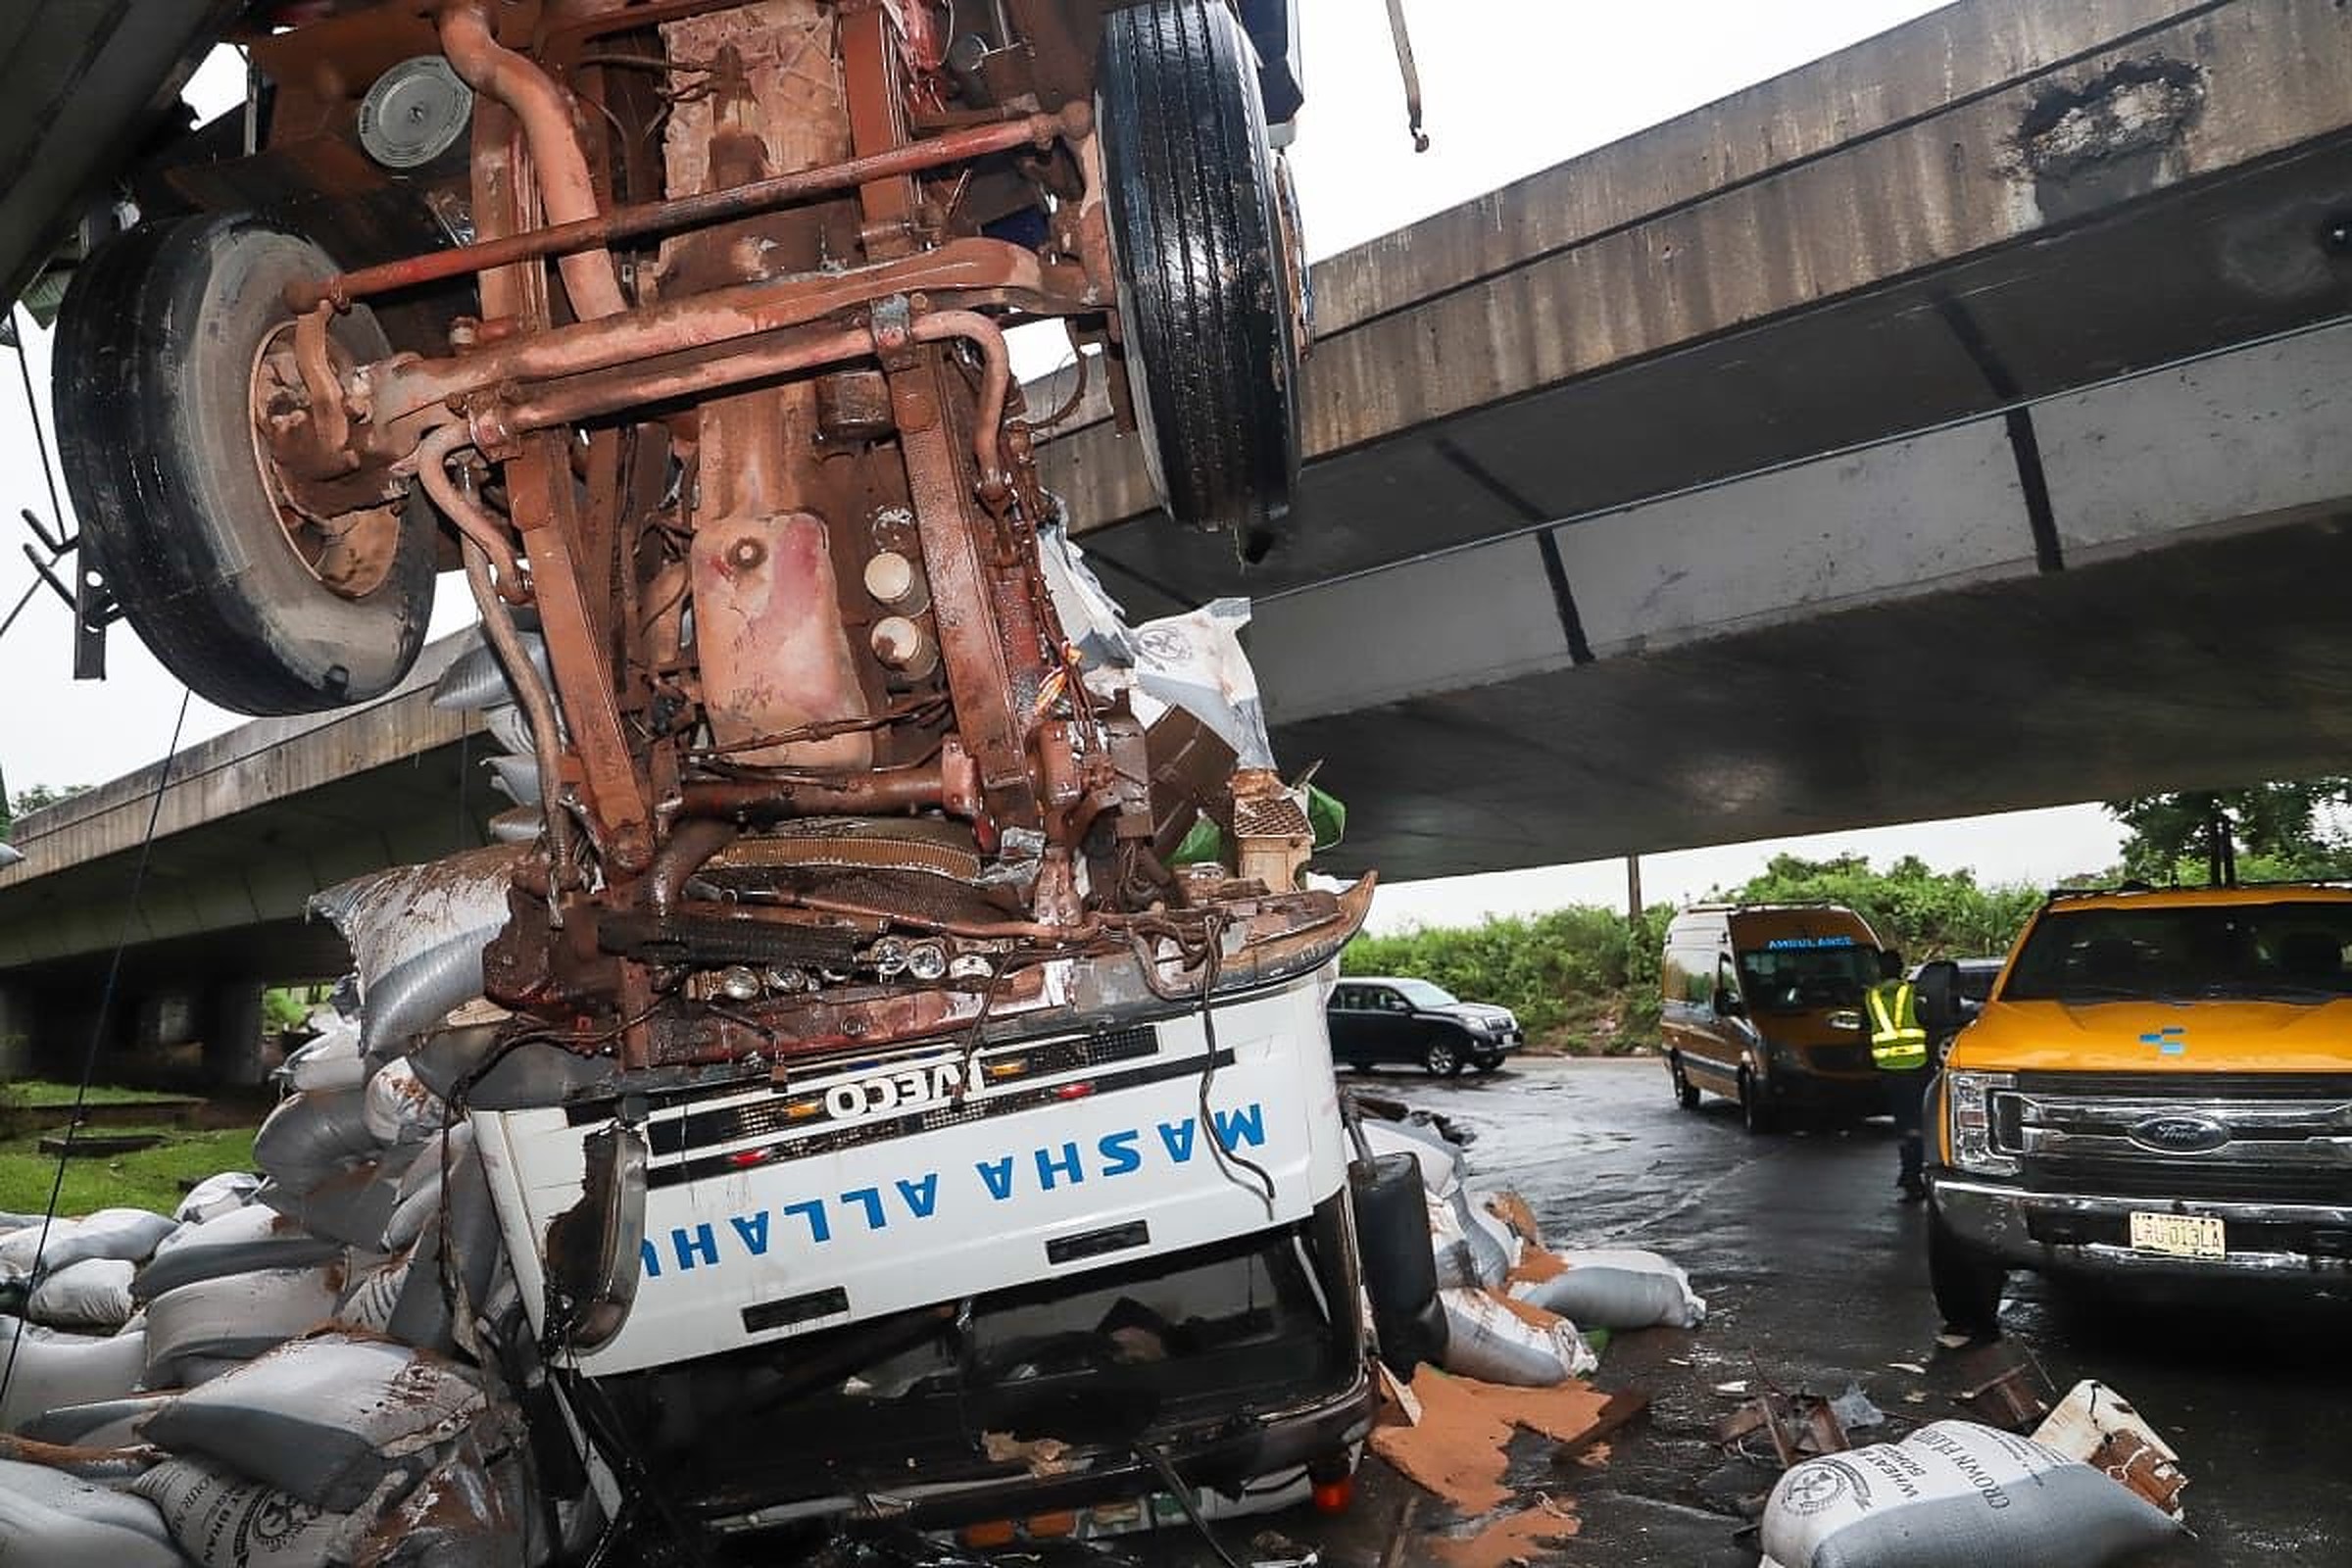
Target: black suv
<point>1375,1019</point>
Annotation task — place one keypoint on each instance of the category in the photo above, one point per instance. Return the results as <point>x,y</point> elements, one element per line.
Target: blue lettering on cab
<point>1047,1168</point>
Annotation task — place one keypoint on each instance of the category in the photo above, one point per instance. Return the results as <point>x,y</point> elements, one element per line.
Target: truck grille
<point>2267,1137</point>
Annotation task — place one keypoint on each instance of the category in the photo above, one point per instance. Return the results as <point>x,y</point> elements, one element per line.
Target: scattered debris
<point>1044,1457</point>
<point>1591,1447</point>
<point>1271,1549</point>
<point>2099,1427</point>
<point>2003,1385</point>
<point>1912,1367</point>
<point>1797,1424</point>
<point>1854,1411</point>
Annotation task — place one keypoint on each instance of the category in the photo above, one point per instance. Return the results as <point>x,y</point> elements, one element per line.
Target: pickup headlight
<point>1968,1103</point>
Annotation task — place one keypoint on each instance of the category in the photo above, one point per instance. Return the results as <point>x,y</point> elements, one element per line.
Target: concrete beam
<point>254,765</point>
<point>1863,639</point>
<point>1967,132</point>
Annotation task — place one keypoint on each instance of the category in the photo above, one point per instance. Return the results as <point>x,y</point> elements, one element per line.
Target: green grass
<point>46,1092</point>
<point>148,1179</point>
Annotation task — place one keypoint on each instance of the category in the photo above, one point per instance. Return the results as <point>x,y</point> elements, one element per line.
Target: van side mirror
<point>1935,994</point>
<point>1728,1004</point>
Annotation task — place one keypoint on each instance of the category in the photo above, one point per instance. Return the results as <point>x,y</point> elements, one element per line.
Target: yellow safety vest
<point>1897,1042</point>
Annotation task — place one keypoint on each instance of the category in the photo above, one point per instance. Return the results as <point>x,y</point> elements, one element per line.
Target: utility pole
<point>1632,890</point>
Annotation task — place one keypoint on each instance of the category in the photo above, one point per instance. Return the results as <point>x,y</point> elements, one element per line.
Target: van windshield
<point>2294,953</point>
<point>1796,979</point>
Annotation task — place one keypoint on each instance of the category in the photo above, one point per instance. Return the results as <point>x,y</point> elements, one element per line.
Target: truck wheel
<point>1206,311</point>
<point>1754,1113</point>
<point>1686,1093</point>
<point>1442,1060</point>
<point>1967,1284</point>
<point>160,351</point>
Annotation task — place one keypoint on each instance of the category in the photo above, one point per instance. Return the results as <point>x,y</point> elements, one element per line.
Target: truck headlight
<point>1968,1103</point>
<point>1846,1019</point>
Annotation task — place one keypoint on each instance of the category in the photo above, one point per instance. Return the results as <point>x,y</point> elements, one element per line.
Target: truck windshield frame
<point>2297,952</point>
<point>1806,976</point>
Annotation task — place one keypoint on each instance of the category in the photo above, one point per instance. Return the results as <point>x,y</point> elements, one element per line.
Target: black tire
<point>1968,1285</point>
<point>1686,1093</point>
<point>1754,1113</point>
<point>1485,1064</point>
<point>156,348</point>
<point>1442,1059</point>
<point>1207,319</point>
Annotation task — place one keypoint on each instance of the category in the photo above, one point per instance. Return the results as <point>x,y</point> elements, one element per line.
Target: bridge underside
<point>2214,662</point>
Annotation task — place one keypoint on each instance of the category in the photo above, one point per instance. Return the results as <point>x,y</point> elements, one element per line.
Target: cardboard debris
<point>1591,1450</point>
<point>2003,1385</point>
<point>1512,1538</point>
<point>1513,1209</point>
<point>1456,1451</point>
<point>2099,1427</point>
<point>1535,1265</point>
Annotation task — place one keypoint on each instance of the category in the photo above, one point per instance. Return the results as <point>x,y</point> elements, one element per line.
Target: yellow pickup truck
<point>2160,1083</point>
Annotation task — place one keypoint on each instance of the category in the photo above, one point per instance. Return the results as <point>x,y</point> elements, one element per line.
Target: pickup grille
<point>2285,1137</point>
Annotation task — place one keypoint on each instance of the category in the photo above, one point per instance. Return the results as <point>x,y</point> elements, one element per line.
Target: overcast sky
<point>1508,86</point>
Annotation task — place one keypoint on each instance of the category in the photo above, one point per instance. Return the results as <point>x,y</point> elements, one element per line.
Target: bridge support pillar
<point>229,1023</point>
<point>18,1022</point>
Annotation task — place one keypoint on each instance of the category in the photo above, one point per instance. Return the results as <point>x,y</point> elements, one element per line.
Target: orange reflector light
<point>995,1533</point>
<point>1045,1525</point>
<point>1333,1496</point>
<point>1011,1067</point>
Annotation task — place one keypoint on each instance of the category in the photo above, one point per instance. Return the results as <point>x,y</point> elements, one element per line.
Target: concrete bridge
<point>1949,425</point>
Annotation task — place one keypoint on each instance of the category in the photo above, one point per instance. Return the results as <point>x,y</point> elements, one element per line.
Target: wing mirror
<point>1728,1004</point>
<point>1935,994</point>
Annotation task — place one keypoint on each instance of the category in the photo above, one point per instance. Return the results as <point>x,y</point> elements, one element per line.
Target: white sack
<point>222,1520</point>
<point>327,1419</point>
<point>55,1369</point>
<point>1617,1288</point>
<point>90,1297</point>
<point>50,1520</point>
<point>1950,1494</point>
<point>216,1196</point>
<point>398,1109</point>
<point>1486,1340</point>
<point>236,1316</point>
<point>244,1239</point>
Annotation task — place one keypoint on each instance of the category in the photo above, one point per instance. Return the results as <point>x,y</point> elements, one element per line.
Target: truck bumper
<point>2089,1233</point>
<point>1226,1454</point>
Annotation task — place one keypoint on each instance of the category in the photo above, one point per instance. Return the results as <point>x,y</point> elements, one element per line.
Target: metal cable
<point>32,412</point>
<point>105,998</point>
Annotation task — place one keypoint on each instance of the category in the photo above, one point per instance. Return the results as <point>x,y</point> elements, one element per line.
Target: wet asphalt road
<point>1816,1277</point>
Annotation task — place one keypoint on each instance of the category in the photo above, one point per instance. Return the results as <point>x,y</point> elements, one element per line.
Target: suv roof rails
<point>2135,885</point>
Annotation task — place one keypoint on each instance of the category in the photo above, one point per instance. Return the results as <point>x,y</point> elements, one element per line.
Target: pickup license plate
<point>2178,1235</point>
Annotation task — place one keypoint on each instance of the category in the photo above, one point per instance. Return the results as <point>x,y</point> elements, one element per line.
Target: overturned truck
<point>863,1090</point>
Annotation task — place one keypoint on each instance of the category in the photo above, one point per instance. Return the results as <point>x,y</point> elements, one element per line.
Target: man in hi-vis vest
<point>1899,1048</point>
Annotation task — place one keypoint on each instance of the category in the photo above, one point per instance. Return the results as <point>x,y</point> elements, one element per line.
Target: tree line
<point>1586,979</point>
